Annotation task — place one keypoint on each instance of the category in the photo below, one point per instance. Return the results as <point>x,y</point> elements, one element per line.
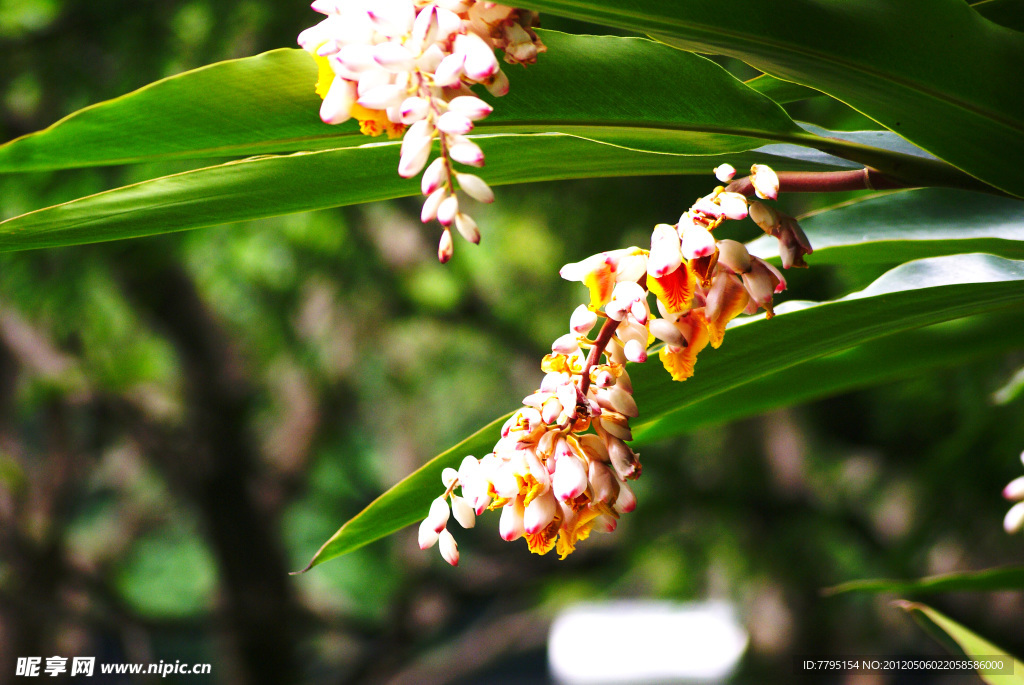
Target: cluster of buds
<point>560,469</point>
<point>1014,521</point>
<point>553,480</point>
<point>406,67</point>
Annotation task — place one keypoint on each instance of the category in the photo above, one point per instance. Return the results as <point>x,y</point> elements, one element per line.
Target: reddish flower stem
<point>603,338</point>
<point>823,182</point>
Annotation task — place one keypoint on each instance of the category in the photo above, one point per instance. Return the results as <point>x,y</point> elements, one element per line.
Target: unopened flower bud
<point>427,535</point>
<point>733,256</point>
<point>449,548</point>
<point>463,512</point>
<point>438,514</point>
<point>445,248</point>
<point>765,182</point>
<point>767,218</point>
<point>475,187</point>
<point>511,526</point>
<point>1014,521</point>
<point>582,320</point>
<point>467,227</point>
<point>724,172</point>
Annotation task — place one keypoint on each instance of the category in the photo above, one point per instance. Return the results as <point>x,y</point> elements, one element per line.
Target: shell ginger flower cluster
<point>562,467</point>
<point>406,67</point>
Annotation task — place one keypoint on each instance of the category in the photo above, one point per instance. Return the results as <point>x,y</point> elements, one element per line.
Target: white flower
<point>393,64</point>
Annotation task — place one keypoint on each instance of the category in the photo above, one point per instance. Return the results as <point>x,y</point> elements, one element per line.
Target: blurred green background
<point>185,419</point>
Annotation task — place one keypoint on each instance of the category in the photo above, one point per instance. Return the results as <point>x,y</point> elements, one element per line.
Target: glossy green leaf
<point>1008,13</point>
<point>935,71</point>
<point>912,295</point>
<point>274,185</point>
<point>894,357</point>
<point>990,580</point>
<point>629,91</point>
<point>972,644</point>
<point>782,92</point>
<point>914,224</point>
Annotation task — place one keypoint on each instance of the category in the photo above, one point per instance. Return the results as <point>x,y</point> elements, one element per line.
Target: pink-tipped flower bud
<point>337,106</point>
<point>447,210</point>
<point>565,344</point>
<point>1015,490</point>
<point>382,97</point>
<point>454,123</point>
<point>1014,521</point>
<point>467,228</point>
<point>624,460</point>
<point>666,331</point>
<point>582,320</point>
<point>445,248</point>
<point>475,187</point>
<point>449,71</point>
<point>733,256</point>
<point>626,501</point>
<point>393,56</point>
<point>430,205</point>
<point>427,535</point>
<point>471,107</point>
<point>413,109</point>
<point>766,218</point>
<point>463,512</point>
<point>449,548</point>
<point>697,242</point>
<point>498,84</point>
<point>434,177</point>
<point>665,256</point>
<point>765,182</point>
<point>604,483</point>
<point>734,206</point>
<point>438,514</point>
<point>511,526</point>
<point>724,172</point>
<point>467,152</point>
<point>570,477</point>
<point>539,513</point>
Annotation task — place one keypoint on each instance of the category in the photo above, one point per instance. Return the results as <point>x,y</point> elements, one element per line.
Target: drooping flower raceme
<point>406,67</point>
<point>1014,521</point>
<point>562,467</point>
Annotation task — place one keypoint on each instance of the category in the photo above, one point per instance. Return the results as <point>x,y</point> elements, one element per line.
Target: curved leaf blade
<point>305,181</point>
<point>951,73</point>
<point>972,644</point>
<point>898,356</point>
<point>1010,578</point>
<point>628,91</point>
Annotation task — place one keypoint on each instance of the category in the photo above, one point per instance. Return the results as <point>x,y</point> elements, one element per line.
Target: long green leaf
<point>274,185</point>
<point>628,91</point>
<point>894,357</point>
<point>909,225</point>
<point>935,71</point>
<point>990,580</point>
<point>912,295</point>
<point>972,644</point>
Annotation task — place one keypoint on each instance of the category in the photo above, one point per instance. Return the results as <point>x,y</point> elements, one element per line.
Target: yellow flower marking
<point>674,290</point>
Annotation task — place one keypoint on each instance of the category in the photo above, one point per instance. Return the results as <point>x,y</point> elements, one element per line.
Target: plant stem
<point>823,182</point>
<point>607,331</point>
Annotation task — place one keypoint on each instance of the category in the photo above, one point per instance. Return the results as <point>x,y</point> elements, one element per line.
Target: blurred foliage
<point>357,357</point>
